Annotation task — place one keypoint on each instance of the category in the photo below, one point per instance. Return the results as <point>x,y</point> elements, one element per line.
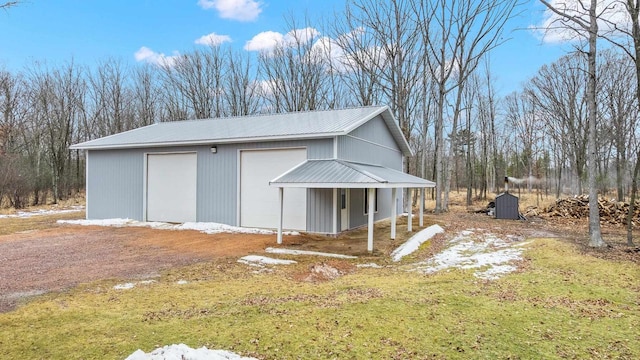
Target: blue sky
<point>88,31</point>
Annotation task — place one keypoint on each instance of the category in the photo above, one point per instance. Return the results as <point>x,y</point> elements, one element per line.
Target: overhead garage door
<point>259,205</point>
<point>171,187</point>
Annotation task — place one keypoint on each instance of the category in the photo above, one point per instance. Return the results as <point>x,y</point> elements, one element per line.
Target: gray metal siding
<point>320,210</point>
<point>376,131</point>
<point>507,207</point>
<point>371,143</point>
<point>357,216</point>
<point>356,150</point>
<point>115,184</point>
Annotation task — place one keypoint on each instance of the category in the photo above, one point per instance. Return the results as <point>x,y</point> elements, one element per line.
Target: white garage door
<point>259,205</point>
<point>171,187</point>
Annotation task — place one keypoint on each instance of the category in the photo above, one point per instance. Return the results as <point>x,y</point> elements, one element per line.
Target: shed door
<point>171,187</point>
<point>259,205</point>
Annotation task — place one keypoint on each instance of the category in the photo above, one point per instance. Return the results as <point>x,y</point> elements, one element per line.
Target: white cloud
<point>264,41</point>
<point>241,10</point>
<point>301,35</point>
<point>267,40</point>
<point>213,39</point>
<point>149,56</point>
<point>552,29</point>
<point>329,50</point>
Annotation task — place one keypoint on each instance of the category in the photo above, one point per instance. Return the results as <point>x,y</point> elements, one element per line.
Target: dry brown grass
<point>74,200</point>
<point>458,202</point>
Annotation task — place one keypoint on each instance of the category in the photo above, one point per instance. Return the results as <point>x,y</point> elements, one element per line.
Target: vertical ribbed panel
<point>371,143</point>
<point>356,208</point>
<point>115,184</point>
<point>376,131</point>
<point>320,210</point>
<point>115,180</point>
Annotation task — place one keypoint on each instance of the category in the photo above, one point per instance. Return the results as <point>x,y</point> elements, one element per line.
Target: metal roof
<point>334,173</point>
<point>287,126</point>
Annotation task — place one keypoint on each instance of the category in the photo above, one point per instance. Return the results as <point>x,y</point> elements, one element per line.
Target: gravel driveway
<point>37,262</point>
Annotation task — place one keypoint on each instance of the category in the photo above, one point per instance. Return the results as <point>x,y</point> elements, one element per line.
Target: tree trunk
<point>595,235</point>
<point>632,202</point>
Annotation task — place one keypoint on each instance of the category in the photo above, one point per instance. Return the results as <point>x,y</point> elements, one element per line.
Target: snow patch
<point>304,252</point>
<point>415,241</point>
<point>263,260</point>
<point>182,282</point>
<point>125,286</point>
<point>131,285</point>
<point>28,214</point>
<point>369,265</point>
<point>184,352</point>
<point>491,255</point>
<point>204,227</point>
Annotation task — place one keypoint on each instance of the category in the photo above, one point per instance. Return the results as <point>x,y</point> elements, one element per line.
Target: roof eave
<point>360,185</point>
<point>391,122</point>
<point>82,146</point>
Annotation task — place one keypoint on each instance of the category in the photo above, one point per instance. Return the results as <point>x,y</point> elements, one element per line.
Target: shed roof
<point>334,173</point>
<point>286,126</point>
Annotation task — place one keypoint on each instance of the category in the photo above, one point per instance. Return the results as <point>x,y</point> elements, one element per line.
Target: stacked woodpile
<point>611,211</point>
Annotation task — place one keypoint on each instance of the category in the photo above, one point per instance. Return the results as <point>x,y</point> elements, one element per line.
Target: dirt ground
<point>58,257</point>
<point>55,259</point>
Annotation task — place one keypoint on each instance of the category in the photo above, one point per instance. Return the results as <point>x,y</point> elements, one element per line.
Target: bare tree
<point>198,78</point>
<point>7,4</point>
<point>585,21</point>
<point>58,97</point>
<point>358,63</point>
<point>559,95</point>
<point>523,121</point>
<point>146,96</point>
<point>487,114</point>
<point>241,92</point>
<point>457,35</point>
<point>294,73</point>
<point>383,40</point>
<point>110,99</point>
<point>630,45</point>
<point>618,109</point>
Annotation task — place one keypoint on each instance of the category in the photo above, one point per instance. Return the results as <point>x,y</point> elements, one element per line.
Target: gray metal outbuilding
<point>507,206</point>
<point>232,170</point>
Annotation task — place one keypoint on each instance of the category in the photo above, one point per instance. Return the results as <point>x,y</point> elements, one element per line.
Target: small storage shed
<point>343,169</point>
<point>507,206</point>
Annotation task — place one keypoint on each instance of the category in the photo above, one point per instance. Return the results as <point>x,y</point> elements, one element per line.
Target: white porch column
<point>371,210</point>
<point>421,207</point>
<point>280,214</point>
<point>394,212</point>
<point>335,211</point>
<point>409,212</point>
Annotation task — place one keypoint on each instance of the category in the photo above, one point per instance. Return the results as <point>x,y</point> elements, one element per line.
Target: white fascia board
<point>364,120</point>
<point>351,185</point>
<point>203,142</point>
<point>394,127</point>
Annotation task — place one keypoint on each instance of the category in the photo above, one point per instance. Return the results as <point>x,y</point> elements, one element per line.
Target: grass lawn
<point>560,304</point>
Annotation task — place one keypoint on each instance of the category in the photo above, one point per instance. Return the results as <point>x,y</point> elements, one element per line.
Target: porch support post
<point>394,212</point>
<point>410,212</point>
<point>421,207</point>
<point>280,214</point>
<point>335,211</point>
<point>371,210</point>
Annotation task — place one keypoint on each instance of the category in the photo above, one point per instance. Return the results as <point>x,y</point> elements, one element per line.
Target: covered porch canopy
<point>340,174</point>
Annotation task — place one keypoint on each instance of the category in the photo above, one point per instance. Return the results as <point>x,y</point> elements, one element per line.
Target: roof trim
<point>370,180</point>
<point>111,142</point>
<point>81,146</point>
